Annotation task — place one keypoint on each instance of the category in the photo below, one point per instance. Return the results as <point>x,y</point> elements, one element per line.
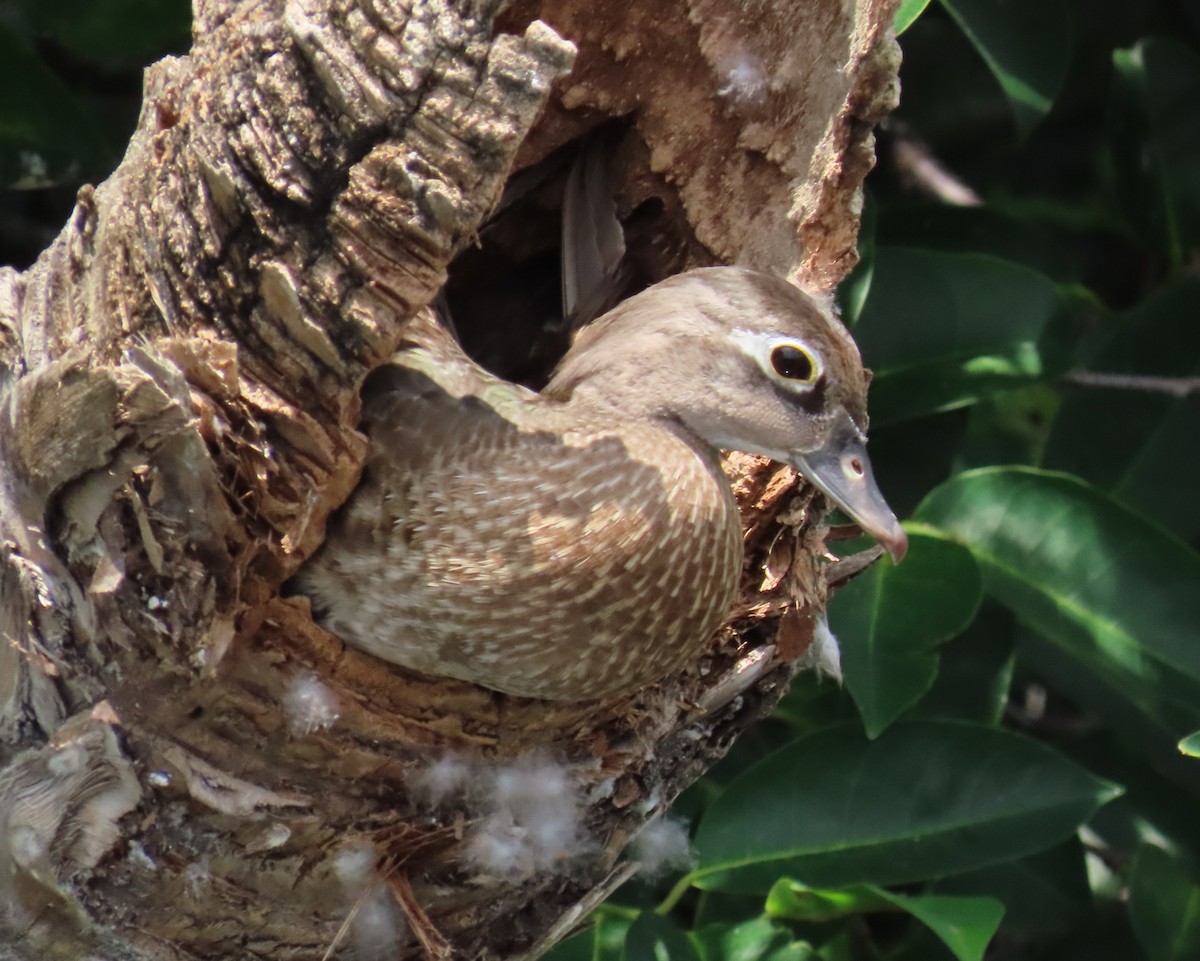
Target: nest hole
<point>504,293</point>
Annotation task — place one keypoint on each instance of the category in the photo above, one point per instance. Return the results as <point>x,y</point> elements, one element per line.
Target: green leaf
<point>925,799</point>
<point>1190,745</point>
<point>890,620</point>
<point>132,31</point>
<point>913,456</point>
<point>1137,744</point>
<point>794,901</point>
<point>1105,937</point>
<point>580,946</point>
<point>1164,905</point>
<point>1160,799</point>
<point>852,292</point>
<point>1026,44</point>
<point>1138,444</point>
<point>601,940</point>
<point>718,911</point>
<point>46,136</point>
<point>1110,590</point>
<point>974,671</point>
<point>812,703</point>
<point>1047,892</point>
<point>755,940</point>
<point>940,330</point>
<point>1156,142</point>
<point>907,14</point>
<point>655,938</point>
<point>844,946</point>
<point>965,925</point>
<point>1018,239</point>
<point>1010,427</point>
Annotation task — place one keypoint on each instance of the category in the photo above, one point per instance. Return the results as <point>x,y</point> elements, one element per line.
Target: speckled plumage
<point>579,543</point>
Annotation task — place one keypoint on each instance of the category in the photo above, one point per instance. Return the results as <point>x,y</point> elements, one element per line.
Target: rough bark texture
<point>179,376</point>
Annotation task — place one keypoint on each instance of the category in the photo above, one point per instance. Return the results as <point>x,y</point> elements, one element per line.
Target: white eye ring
<point>762,347</point>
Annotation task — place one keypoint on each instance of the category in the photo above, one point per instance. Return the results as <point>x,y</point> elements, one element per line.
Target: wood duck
<point>581,542</point>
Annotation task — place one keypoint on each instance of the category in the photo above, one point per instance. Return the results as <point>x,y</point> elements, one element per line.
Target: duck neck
<point>598,402</point>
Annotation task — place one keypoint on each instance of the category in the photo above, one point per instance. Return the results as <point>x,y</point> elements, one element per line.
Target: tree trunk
<point>189,767</point>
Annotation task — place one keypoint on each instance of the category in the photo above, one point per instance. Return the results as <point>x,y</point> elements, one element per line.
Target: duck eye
<point>794,363</point>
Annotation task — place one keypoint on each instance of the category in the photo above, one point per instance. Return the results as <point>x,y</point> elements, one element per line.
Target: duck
<point>583,541</point>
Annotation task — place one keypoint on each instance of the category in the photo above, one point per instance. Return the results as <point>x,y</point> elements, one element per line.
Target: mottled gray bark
<point>179,378</point>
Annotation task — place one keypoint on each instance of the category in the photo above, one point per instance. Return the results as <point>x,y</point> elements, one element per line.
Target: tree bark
<point>185,758</point>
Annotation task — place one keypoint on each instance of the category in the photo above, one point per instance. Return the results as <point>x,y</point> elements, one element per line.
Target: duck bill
<point>841,470</point>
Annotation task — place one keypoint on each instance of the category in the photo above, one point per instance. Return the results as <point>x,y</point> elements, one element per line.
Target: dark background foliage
<point>1007,769</point>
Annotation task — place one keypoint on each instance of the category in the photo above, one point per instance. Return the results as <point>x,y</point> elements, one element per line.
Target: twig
<point>344,927</point>
<point>576,914</point>
<point>918,166</point>
<point>437,948</point>
<point>1173,386</point>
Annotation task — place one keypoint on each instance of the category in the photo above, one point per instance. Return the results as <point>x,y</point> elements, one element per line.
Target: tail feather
<point>593,241</point>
